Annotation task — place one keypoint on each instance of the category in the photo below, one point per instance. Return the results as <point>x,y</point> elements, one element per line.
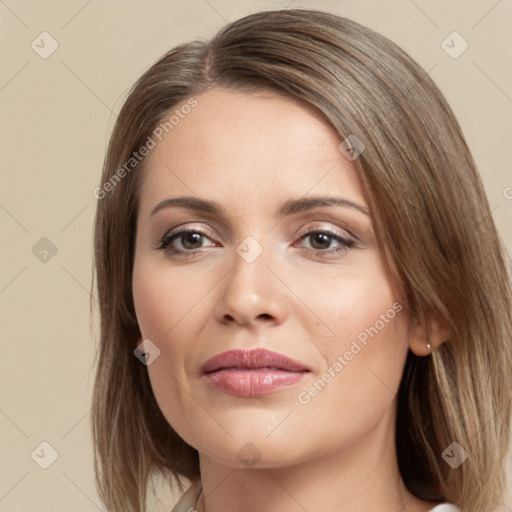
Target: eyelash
<point>168,238</point>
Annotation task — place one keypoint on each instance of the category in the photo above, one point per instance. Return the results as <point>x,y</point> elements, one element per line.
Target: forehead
<point>258,145</point>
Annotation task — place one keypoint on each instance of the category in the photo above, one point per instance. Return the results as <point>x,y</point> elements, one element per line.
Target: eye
<point>190,240</point>
<point>321,240</point>
<point>187,242</point>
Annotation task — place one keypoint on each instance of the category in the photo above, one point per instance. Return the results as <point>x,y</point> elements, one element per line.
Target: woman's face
<point>271,268</point>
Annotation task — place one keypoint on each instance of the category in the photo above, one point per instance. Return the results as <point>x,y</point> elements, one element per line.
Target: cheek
<point>356,301</point>
<point>363,355</point>
<point>150,299</point>
<point>168,310</point>
<point>164,300</point>
<point>163,306</point>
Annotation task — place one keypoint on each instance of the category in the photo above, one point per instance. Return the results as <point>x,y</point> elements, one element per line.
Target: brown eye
<point>183,241</point>
<point>320,241</point>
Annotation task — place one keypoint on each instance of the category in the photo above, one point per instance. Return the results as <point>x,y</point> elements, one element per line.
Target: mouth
<point>252,373</point>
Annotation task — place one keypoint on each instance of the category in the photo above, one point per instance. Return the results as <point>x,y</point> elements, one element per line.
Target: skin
<point>250,153</point>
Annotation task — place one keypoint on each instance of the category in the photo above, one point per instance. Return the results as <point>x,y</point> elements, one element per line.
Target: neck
<point>361,476</point>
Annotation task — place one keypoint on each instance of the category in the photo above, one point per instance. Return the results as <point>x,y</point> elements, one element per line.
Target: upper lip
<point>252,358</point>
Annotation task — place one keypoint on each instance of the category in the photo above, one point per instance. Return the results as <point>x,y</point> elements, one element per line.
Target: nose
<point>253,295</point>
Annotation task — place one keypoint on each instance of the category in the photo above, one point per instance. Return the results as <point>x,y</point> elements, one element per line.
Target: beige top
<point>188,501</point>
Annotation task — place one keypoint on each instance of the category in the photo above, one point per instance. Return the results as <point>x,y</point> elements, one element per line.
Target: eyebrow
<point>290,207</point>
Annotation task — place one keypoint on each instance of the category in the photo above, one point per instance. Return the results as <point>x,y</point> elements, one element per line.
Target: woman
<point>304,300</point>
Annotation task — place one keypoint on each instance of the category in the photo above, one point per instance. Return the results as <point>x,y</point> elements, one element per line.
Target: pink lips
<point>252,372</point>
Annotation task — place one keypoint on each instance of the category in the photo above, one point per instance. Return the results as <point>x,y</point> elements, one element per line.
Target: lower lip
<point>252,382</point>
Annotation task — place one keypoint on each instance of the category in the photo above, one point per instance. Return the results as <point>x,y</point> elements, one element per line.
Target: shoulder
<point>188,500</point>
<point>445,507</point>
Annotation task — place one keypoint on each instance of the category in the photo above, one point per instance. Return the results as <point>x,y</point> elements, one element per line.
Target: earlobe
<point>425,338</point>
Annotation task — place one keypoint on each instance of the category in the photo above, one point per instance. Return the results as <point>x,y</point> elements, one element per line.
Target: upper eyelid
<point>189,226</point>
<point>185,228</point>
<point>330,229</point>
<point>333,231</point>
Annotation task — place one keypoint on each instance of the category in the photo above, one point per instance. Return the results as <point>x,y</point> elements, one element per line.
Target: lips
<point>252,359</point>
<point>252,373</point>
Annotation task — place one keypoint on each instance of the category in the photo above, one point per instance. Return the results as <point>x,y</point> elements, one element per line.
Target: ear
<point>433,331</point>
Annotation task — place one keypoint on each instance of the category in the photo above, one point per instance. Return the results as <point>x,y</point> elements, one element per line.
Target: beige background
<point>57,114</point>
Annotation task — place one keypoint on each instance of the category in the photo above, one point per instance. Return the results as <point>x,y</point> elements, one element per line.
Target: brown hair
<point>432,221</point>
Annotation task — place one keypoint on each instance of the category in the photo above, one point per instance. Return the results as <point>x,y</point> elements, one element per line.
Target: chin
<point>245,454</point>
